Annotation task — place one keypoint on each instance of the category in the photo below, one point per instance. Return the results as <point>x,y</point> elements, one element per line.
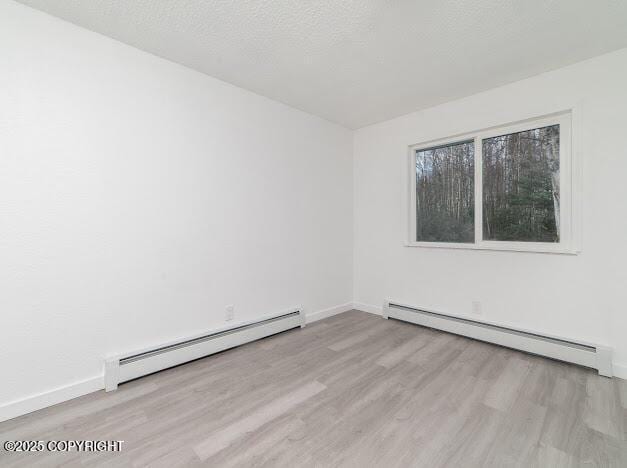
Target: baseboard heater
<point>585,354</point>
<point>129,366</point>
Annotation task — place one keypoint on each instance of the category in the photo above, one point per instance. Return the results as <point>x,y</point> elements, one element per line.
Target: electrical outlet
<point>476,308</point>
<point>230,313</point>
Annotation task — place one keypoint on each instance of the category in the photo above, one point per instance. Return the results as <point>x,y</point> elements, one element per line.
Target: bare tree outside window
<point>521,191</point>
<point>445,193</point>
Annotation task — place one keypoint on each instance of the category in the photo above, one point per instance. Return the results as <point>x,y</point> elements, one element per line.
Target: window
<point>506,188</point>
<point>521,186</point>
<point>445,193</point>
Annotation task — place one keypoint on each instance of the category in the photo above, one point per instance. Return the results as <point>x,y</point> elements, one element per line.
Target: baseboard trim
<point>371,309</point>
<point>32,403</point>
<point>330,312</point>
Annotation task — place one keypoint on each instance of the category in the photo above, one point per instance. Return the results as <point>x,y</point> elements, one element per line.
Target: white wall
<point>138,198</point>
<point>584,296</point>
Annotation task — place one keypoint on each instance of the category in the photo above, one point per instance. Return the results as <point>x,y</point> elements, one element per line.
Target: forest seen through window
<point>520,189</point>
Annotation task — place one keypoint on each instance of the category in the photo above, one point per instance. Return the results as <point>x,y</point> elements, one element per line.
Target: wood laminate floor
<point>351,390</point>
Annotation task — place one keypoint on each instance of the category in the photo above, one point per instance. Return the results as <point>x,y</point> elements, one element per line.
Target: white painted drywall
<point>580,296</point>
<point>138,198</point>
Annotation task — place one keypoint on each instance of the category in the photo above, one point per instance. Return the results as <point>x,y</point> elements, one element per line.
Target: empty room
<point>302,233</point>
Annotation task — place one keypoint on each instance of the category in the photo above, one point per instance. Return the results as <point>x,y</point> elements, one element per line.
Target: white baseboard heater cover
<point>586,354</point>
<point>129,366</point>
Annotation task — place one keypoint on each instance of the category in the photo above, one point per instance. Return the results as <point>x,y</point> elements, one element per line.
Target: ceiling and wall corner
<point>358,62</point>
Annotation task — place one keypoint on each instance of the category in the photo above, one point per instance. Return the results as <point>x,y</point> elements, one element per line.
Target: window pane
<point>521,192</point>
<point>445,193</point>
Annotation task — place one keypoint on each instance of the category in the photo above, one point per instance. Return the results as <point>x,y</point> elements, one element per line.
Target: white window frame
<point>567,236</point>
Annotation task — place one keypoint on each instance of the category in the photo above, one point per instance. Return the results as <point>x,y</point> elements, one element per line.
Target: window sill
<point>499,247</point>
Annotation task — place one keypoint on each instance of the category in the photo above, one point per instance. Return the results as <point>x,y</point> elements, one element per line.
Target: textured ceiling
<point>358,62</point>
